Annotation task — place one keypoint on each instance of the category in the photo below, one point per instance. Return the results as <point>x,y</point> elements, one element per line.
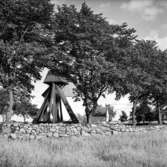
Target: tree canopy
<point>23,43</point>
<point>147,71</point>
<point>85,43</point>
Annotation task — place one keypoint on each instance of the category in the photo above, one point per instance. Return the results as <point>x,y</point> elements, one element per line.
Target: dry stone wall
<point>40,131</point>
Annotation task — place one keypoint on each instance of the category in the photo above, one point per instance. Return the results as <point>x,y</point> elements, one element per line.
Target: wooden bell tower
<point>51,109</point>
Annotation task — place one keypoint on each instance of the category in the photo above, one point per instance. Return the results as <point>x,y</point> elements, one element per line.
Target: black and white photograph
<point>83,83</point>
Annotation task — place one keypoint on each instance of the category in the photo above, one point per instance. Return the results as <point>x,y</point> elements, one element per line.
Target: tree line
<point>98,57</point>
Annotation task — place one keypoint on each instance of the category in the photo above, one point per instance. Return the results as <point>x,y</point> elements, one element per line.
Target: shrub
<point>123,116</point>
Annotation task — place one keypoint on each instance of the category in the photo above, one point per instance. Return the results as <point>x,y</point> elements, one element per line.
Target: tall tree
<point>82,39</point>
<point>23,43</point>
<point>146,74</point>
<point>158,89</point>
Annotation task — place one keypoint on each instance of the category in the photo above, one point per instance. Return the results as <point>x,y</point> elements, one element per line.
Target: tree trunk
<point>88,118</point>
<point>159,114</point>
<point>134,113</point>
<point>10,107</point>
<point>3,117</point>
<point>90,107</point>
<point>3,114</point>
<point>107,115</point>
<point>24,117</point>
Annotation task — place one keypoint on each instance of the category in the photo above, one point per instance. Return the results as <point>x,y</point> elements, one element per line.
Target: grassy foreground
<point>123,150</point>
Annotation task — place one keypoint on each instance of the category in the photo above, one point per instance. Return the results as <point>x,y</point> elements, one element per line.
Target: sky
<point>148,17</point>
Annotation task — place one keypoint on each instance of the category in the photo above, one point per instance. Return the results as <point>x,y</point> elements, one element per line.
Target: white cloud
<point>136,5</point>
<point>162,3</point>
<point>163,43</point>
<point>104,5</point>
<point>104,8</point>
<point>151,13</point>
<point>111,20</point>
<point>154,35</point>
<point>146,8</point>
<point>164,26</point>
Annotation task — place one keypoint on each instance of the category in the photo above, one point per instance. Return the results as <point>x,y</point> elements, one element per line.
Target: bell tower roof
<point>55,78</point>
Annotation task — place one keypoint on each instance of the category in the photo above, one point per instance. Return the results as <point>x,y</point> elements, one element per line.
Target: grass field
<point>123,150</point>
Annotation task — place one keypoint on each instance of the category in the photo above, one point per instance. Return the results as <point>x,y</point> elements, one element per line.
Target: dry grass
<point>124,150</point>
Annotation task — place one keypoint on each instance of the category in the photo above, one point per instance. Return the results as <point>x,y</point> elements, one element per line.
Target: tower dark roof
<point>55,78</point>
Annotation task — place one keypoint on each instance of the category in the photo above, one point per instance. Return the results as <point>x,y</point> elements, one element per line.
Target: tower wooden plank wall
<point>51,109</point>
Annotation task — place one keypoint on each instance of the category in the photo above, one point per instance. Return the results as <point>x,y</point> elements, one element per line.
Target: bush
<point>123,117</point>
<point>145,113</point>
<point>100,111</point>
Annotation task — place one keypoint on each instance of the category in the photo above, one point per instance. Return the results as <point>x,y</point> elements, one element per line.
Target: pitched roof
<point>55,78</point>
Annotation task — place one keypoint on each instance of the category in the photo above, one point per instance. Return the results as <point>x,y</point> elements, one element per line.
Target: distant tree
<point>101,111</point>
<point>143,112</point>
<point>26,109</point>
<point>146,74</point>
<point>158,89</point>
<point>23,44</point>
<point>158,80</point>
<point>21,106</point>
<point>123,116</point>
<point>159,101</point>
<point>164,111</point>
<point>82,39</point>
<point>137,78</point>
